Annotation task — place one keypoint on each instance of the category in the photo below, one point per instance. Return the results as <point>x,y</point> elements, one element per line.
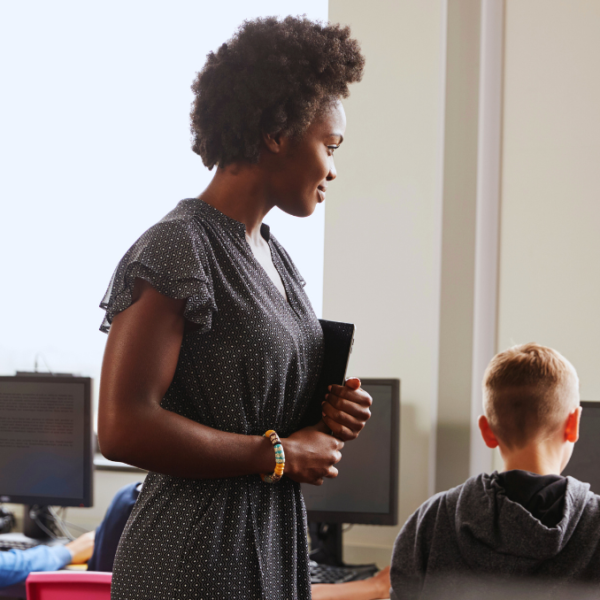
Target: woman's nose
<point>332,172</point>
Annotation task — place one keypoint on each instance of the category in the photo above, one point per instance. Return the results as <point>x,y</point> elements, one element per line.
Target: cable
<point>35,363</point>
<point>59,515</point>
<point>78,527</point>
<point>34,515</point>
<point>60,524</point>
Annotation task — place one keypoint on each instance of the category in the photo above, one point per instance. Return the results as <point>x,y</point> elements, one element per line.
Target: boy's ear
<point>572,425</point>
<point>486,432</point>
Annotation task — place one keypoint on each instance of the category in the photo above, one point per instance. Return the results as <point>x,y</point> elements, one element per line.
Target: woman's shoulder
<point>172,256</point>
<point>181,229</point>
<point>186,216</point>
<point>186,210</point>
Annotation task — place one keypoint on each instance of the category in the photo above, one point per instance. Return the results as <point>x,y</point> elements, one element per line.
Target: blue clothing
<point>15,565</point>
<point>111,528</point>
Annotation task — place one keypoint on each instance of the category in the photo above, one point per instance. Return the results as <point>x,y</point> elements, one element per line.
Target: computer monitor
<point>46,456</point>
<point>585,461</point>
<point>366,488</point>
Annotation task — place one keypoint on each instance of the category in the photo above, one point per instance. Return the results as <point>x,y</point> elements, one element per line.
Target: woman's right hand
<point>310,455</point>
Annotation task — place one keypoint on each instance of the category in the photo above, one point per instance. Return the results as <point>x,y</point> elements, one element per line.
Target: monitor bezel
<point>594,405</point>
<point>364,518</point>
<point>86,500</point>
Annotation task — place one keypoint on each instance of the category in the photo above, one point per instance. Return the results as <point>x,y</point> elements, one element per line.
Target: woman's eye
<point>332,148</point>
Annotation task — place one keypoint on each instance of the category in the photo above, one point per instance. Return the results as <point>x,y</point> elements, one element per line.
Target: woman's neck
<point>239,191</point>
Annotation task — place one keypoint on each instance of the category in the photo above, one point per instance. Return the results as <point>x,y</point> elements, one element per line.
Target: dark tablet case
<point>339,338</point>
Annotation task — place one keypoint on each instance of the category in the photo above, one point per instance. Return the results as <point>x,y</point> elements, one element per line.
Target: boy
<point>527,523</point>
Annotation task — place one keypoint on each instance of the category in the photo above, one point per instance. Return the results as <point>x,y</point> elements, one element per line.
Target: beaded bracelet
<point>279,458</point>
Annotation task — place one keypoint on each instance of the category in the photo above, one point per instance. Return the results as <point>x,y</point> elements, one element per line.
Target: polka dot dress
<point>251,365</point>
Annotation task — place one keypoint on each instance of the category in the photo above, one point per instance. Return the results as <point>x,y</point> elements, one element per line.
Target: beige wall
<point>550,235</point>
<point>382,225</point>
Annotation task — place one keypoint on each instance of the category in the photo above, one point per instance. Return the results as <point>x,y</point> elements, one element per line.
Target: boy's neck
<point>541,459</point>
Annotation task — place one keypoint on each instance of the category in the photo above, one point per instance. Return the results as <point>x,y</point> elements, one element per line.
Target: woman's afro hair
<point>272,76</point>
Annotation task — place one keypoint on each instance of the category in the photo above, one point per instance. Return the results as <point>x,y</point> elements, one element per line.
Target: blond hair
<point>528,391</point>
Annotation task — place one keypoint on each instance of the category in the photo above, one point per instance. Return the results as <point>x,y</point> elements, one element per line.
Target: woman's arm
<point>141,355</point>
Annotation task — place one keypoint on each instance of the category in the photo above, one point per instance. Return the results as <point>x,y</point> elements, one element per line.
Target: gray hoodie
<point>473,534</point>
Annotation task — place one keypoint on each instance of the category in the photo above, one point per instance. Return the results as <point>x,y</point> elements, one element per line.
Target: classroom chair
<point>68,585</point>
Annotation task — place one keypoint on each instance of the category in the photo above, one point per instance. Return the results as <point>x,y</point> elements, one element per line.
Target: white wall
<point>550,240</point>
<point>383,216</point>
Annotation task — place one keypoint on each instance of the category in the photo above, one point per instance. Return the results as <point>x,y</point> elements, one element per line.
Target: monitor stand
<point>326,543</point>
<point>37,528</point>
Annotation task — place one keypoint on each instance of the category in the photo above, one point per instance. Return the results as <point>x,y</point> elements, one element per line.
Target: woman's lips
<point>321,194</point>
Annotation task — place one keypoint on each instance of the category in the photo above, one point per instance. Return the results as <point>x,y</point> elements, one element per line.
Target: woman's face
<point>303,168</point>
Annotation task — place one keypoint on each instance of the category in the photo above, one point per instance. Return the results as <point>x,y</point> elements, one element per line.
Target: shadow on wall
<point>452,451</point>
<point>414,461</point>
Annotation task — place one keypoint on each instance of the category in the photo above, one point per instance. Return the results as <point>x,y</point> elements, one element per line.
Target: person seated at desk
<point>15,565</point>
<point>526,530</point>
<point>374,588</point>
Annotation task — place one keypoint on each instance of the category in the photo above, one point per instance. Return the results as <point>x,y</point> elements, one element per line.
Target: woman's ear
<point>273,141</point>
<point>486,432</point>
<point>572,425</point>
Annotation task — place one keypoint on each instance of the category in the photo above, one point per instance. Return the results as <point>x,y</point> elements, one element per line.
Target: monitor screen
<point>585,461</point>
<point>46,440</point>
<point>366,489</point>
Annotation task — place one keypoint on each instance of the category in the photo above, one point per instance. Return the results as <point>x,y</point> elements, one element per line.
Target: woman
<point>213,340</point>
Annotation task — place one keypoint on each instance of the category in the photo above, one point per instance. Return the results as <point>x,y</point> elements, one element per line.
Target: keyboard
<point>16,541</point>
<point>328,574</point>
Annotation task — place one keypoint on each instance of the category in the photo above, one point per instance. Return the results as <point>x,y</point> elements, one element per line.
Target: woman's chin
<point>304,209</point>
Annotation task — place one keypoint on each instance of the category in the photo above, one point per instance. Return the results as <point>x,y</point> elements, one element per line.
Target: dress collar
<point>216,215</point>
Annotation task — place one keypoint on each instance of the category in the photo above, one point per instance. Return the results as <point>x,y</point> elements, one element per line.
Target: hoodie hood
<point>486,522</point>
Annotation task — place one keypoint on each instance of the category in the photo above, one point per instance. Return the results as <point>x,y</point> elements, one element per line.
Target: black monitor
<point>366,489</point>
<point>46,456</point>
<point>585,461</point>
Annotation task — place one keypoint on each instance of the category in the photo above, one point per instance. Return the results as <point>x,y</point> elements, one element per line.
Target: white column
<point>487,219</point>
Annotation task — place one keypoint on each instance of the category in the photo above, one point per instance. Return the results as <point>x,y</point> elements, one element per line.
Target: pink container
<point>69,585</point>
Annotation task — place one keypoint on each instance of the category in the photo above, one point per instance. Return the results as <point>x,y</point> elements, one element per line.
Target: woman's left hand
<point>346,409</point>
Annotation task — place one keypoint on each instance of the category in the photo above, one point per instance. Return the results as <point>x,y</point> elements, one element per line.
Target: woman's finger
<point>352,382</point>
<point>341,432</point>
<point>358,396</point>
<point>332,473</point>
<point>359,412</point>
<point>342,417</point>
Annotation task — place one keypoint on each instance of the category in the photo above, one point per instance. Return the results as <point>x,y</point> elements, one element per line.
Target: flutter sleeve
<point>171,256</point>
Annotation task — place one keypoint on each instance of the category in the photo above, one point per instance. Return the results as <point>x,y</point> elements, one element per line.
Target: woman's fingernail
<point>324,415</point>
<point>329,388</point>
